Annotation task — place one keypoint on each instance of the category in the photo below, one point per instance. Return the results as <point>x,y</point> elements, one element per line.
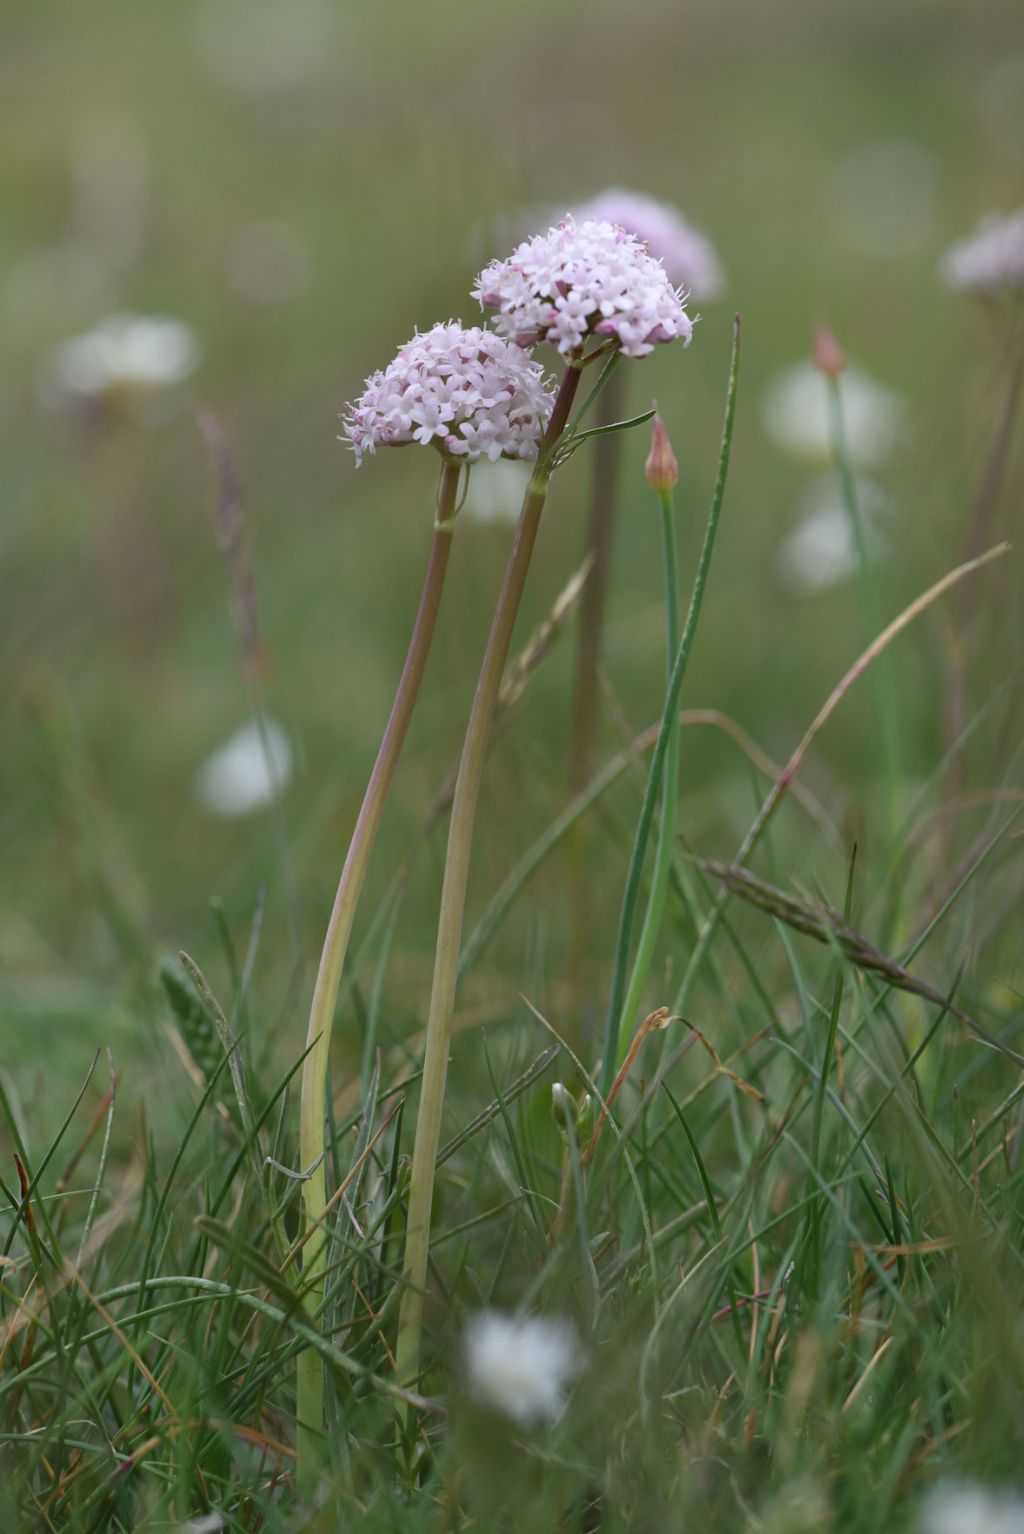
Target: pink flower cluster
<point>687,255</point>
<point>467,392</point>
<point>991,261</point>
<point>591,278</point>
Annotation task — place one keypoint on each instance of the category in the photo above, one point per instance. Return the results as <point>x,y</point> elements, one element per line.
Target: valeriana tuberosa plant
<point>617,1042</point>
<point>593,291</point>
<point>691,263</point>
<point>662,474</point>
<point>830,361</point>
<point>469,394</point>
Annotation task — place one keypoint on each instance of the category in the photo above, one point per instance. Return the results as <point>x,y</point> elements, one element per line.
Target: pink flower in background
<point>591,278</point>
<point>991,261</point>
<point>468,393</point>
<point>687,255</point>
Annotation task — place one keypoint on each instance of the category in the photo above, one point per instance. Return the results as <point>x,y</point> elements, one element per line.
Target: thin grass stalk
<point>670,787</point>
<point>453,893</point>
<point>631,892</point>
<point>312,1147</point>
<point>869,612</point>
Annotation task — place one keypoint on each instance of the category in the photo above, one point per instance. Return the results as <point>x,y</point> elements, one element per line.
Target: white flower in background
<point>991,261</point>
<point>580,280</point>
<point>496,491</point>
<point>820,550</point>
<point>884,196</point>
<point>247,773</point>
<point>687,255</point>
<point>795,413</point>
<point>961,1507</point>
<point>129,353</point>
<point>521,1366</point>
<point>469,393</point>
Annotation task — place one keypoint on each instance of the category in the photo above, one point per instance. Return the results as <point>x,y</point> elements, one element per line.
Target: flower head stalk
<point>831,362</point>
<point>662,474</point>
<point>484,397</point>
<point>614,1049</point>
<point>571,285</point>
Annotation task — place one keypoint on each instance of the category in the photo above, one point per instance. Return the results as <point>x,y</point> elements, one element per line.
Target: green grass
<point>795,1258</point>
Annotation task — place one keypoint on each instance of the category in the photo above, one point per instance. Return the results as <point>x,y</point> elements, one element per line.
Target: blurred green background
<point>303,183</point>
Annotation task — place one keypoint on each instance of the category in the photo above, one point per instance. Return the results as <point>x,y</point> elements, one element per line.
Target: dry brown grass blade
<point>825,925</point>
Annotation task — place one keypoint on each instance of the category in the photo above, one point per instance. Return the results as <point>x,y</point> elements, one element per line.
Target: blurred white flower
<point>884,194</point>
<point>820,550</point>
<point>129,353</point>
<point>496,490</point>
<point>990,261</point>
<point>795,413</point>
<point>521,1366</point>
<point>687,255</point>
<point>247,773</point>
<point>962,1507</point>
<point>206,1523</point>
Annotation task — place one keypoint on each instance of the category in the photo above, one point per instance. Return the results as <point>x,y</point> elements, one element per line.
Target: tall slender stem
<point>586,693</point>
<point>453,892</point>
<point>312,1147</point>
<point>670,786</point>
<point>600,537</point>
<point>869,611</point>
<point>630,895</point>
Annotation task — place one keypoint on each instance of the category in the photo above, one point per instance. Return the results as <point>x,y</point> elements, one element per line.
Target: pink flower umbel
<point>687,255</point>
<point>991,261</point>
<point>582,280</point>
<point>467,392</point>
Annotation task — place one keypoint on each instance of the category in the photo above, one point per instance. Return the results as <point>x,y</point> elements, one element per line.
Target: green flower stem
<point>312,1143</point>
<point>669,792</point>
<point>453,893</point>
<point>869,612</point>
<point>631,893</point>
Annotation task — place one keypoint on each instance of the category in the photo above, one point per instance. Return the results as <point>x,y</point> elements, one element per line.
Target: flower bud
<point>829,357</point>
<point>585,1118</point>
<point>661,469</point>
<point>563,1109</point>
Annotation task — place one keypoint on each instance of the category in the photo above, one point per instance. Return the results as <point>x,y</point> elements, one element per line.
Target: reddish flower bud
<point>661,469</point>
<point>829,357</point>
